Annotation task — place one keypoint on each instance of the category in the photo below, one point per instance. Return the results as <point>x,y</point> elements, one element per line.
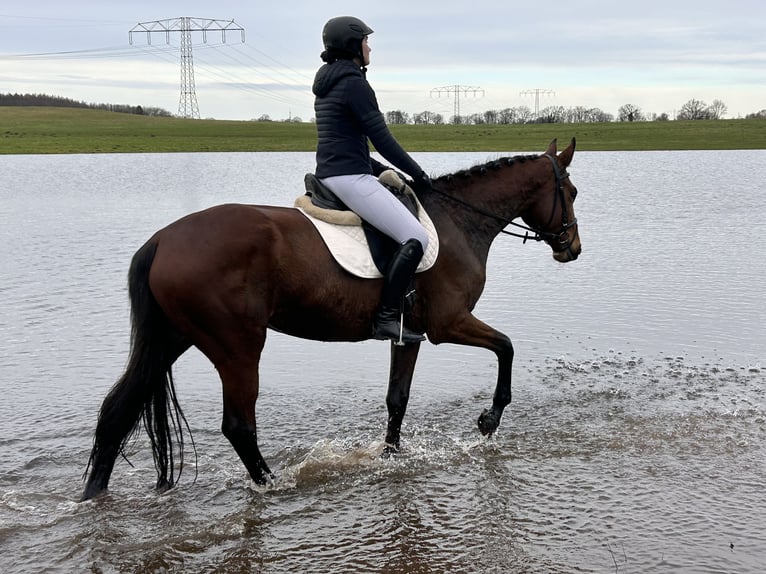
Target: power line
<point>187,103</point>
<point>456,90</point>
<point>537,92</point>
<point>280,82</point>
<point>233,77</point>
<point>117,51</point>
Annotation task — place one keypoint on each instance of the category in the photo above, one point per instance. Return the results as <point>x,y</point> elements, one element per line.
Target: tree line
<point>692,110</point>
<point>58,101</point>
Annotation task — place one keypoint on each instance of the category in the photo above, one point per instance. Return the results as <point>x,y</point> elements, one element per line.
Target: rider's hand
<point>421,183</point>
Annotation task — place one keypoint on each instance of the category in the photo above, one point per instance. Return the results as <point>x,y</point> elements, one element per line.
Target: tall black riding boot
<point>387,323</point>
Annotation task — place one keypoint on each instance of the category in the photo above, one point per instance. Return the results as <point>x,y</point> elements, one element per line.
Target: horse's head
<point>552,214</point>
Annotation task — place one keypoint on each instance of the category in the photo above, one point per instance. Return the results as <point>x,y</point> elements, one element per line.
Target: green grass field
<point>37,130</point>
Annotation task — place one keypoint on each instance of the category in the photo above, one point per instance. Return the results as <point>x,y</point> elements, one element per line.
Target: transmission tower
<point>187,103</point>
<point>537,92</point>
<point>457,90</point>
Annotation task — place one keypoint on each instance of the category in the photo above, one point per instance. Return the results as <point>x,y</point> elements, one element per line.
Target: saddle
<point>320,202</point>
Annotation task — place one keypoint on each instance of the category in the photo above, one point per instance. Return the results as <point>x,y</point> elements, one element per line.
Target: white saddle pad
<point>349,246</point>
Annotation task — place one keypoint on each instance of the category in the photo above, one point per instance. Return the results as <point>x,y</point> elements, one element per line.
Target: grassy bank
<point>30,130</point>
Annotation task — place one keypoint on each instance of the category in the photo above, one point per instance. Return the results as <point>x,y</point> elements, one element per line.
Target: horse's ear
<point>551,148</point>
<point>566,156</point>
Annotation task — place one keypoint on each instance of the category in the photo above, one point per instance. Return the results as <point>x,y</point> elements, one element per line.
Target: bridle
<point>559,239</point>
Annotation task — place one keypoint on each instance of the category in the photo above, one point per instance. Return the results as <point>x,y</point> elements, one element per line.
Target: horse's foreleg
<point>468,330</point>
<point>489,420</point>
<point>403,358</point>
<point>240,392</point>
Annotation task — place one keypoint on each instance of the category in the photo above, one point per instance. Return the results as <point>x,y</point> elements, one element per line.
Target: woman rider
<point>347,116</point>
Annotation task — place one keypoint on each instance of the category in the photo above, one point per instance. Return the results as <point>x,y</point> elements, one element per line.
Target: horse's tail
<point>146,391</point>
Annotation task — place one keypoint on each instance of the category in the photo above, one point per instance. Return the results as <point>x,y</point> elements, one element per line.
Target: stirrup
<point>400,342</point>
<point>416,337</point>
<point>404,335</point>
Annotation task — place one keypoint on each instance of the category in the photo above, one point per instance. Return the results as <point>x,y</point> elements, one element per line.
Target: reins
<point>539,235</point>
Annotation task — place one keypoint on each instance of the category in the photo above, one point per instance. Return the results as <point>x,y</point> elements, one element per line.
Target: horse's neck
<point>452,217</point>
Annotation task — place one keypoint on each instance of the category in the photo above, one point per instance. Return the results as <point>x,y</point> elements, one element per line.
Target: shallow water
<point>634,443</point>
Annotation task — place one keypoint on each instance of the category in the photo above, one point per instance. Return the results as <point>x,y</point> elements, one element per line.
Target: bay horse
<point>220,278</point>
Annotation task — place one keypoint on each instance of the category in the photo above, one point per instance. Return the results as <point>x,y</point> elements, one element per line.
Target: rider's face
<point>366,51</point>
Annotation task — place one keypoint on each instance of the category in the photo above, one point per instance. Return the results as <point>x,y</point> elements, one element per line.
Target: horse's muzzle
<point>570,252</point>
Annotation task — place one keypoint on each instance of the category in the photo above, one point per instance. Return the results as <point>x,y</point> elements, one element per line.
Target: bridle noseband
<point>560,238</point>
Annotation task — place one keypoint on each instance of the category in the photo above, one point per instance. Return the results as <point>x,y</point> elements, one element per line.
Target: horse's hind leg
<point>240,392</point>
<point>403,358</point>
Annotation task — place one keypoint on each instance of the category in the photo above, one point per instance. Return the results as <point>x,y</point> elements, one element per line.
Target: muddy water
<point>635,441</point>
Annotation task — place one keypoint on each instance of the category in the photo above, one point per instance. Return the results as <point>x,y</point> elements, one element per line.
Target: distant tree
<point>157,112</point>
<point>524,115</point>
<point>578,115</point>
<point>551,115</point>
<point>264,118</point>
<point>559,113</point>
<point>40,100</point>
<point>601,116</point>
<point>717,110</point>
<point>506,116</point>
<point>475,119</point>
<point>397,117</point>
<point>663,117</point>
<point>428,118</point>
<point>757,115</point>
<point>424,118</point>
<point>546,116</point>
<point>630,113</point>
<point>581,115</point>
<point>693,110</point>
<point>59,102</point>
<point>491,117</point>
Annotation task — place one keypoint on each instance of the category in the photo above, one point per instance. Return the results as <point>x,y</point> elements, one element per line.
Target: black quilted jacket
<point>347,116</point>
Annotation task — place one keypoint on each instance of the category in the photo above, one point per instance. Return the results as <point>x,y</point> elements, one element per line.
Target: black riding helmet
<point>342,37</point>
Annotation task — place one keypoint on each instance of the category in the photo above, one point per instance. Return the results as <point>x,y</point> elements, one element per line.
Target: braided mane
<point>481,169</point>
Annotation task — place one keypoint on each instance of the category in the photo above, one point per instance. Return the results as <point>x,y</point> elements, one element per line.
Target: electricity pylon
<point>187,104</point>
<point>537,92</point>
<point>457,90</point>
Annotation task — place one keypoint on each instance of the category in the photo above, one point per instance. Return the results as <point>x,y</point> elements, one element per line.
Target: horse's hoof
<point>91,494</point>
<point>488,422</point>
<point>389,450</point>
<point>164,485</point>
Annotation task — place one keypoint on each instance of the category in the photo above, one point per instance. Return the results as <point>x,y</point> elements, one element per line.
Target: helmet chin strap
<point>359,60</point>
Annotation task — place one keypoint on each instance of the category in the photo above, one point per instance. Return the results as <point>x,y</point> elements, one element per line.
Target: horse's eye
<point>573,192</point>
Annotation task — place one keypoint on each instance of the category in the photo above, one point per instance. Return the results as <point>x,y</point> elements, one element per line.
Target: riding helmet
<point>344,34</point>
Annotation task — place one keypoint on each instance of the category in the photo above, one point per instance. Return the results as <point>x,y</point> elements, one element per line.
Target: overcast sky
<point>653,54</point>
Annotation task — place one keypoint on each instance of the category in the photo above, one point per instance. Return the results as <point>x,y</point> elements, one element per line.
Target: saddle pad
<point>349,247</point>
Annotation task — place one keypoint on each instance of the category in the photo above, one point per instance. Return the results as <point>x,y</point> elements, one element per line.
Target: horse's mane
<point>482,168</point>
